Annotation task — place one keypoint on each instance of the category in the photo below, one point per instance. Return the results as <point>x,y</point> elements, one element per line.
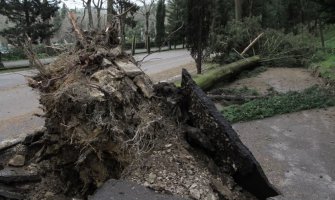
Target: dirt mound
<point>278,79</point>
<point>106,119</point>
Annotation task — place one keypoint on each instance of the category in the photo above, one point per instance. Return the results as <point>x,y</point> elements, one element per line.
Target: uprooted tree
<point>105,119</point>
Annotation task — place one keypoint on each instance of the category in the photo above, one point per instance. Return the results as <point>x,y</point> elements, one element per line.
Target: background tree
<point>176,17</point>
<point>197,29</point>
<point>59,17</point>
<point>125,9</point>
<point>87,4</point>
<point>145,10</point>
<point>110,4</point>
<point>238,9</point>
<point>98,6</point>
<point>31,18</point>
<point>160,23</point>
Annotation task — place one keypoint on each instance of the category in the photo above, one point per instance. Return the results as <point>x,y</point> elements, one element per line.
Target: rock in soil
<point>17,161</point>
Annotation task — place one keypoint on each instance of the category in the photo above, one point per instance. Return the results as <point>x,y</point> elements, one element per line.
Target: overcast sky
<point>79,3</point>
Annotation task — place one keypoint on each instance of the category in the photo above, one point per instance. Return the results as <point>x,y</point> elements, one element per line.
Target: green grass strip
<point>314,97</point>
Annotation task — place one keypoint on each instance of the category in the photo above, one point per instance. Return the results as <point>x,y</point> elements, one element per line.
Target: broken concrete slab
<point>144,84</point>
<point>129,68</point>
<point>26,138</point>
<point>124,190</point>
<point>11,192</point>
<point>18,175</point>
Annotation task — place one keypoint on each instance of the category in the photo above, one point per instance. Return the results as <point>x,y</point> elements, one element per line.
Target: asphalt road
<point>25,63</point>
<point>19,103</point>
<point>296,152</point>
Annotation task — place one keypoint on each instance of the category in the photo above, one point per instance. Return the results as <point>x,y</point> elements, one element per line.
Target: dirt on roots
<point>105,119</point>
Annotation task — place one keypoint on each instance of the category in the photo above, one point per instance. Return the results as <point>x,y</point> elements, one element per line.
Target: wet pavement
<point>296,152</point>
<point>18,106</point>
<point>123,190</point>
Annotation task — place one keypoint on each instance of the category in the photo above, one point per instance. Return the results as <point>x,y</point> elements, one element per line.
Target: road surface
<point>19,103</point>
<point>296,152</point>
<point>174,53</point>
<point>25,63</point>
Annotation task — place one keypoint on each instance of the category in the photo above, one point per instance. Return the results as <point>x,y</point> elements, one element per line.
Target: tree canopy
<point>197,28</point>
<point>30,17</point>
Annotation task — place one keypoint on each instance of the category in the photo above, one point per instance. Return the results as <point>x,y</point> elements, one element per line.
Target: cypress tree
<point>198,28</point>
<point>160,22</point>
<point>176,14</point>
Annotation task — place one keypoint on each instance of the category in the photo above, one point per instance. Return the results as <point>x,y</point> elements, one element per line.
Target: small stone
<point>194,185</point>
<point>17,161</point>
<point>190,172</point>
<point>168,145</point>
<point>116,51</point>
<point>194,193</point>
<point>106,63</point>
<point>151,178</point>
<point>131,84</point>
<point>211,197</point>
<point>169,150</point>
<point>129,68</point>
<point>49,194</point>
<point>145,86</point>
<point>146,184</point>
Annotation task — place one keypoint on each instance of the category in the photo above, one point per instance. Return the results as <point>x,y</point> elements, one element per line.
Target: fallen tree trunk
<point>233,97</point>
<point>209,79</point>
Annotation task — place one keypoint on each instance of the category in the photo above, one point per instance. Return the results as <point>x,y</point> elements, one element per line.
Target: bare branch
<point>125,12</point>
<point>77,30</point>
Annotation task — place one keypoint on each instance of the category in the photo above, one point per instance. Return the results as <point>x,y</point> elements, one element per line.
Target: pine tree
<point>176,14</point>
<point>198,28</point>
<point>160,22</point>
<point>31,18</point>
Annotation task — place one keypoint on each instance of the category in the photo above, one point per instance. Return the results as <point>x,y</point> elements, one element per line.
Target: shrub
<point>275,47</point>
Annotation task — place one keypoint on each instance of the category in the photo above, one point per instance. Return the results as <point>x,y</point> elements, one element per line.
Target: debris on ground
<point>106,120</point>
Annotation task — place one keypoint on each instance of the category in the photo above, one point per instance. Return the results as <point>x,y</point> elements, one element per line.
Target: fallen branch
<point>233,97</point>
<point>251,44</point>
<point>28,48</point>
<point>78,33</point>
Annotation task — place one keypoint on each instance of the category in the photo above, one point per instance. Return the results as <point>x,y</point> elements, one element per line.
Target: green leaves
<point>313,97</point>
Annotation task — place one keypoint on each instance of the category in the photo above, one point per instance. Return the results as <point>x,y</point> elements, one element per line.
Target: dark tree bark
<point>146,11</point>
<point>110,11</point>
<point>90,16</point>
<point>98,7</point>
<point>238,9</point>
<point>321,34</point>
